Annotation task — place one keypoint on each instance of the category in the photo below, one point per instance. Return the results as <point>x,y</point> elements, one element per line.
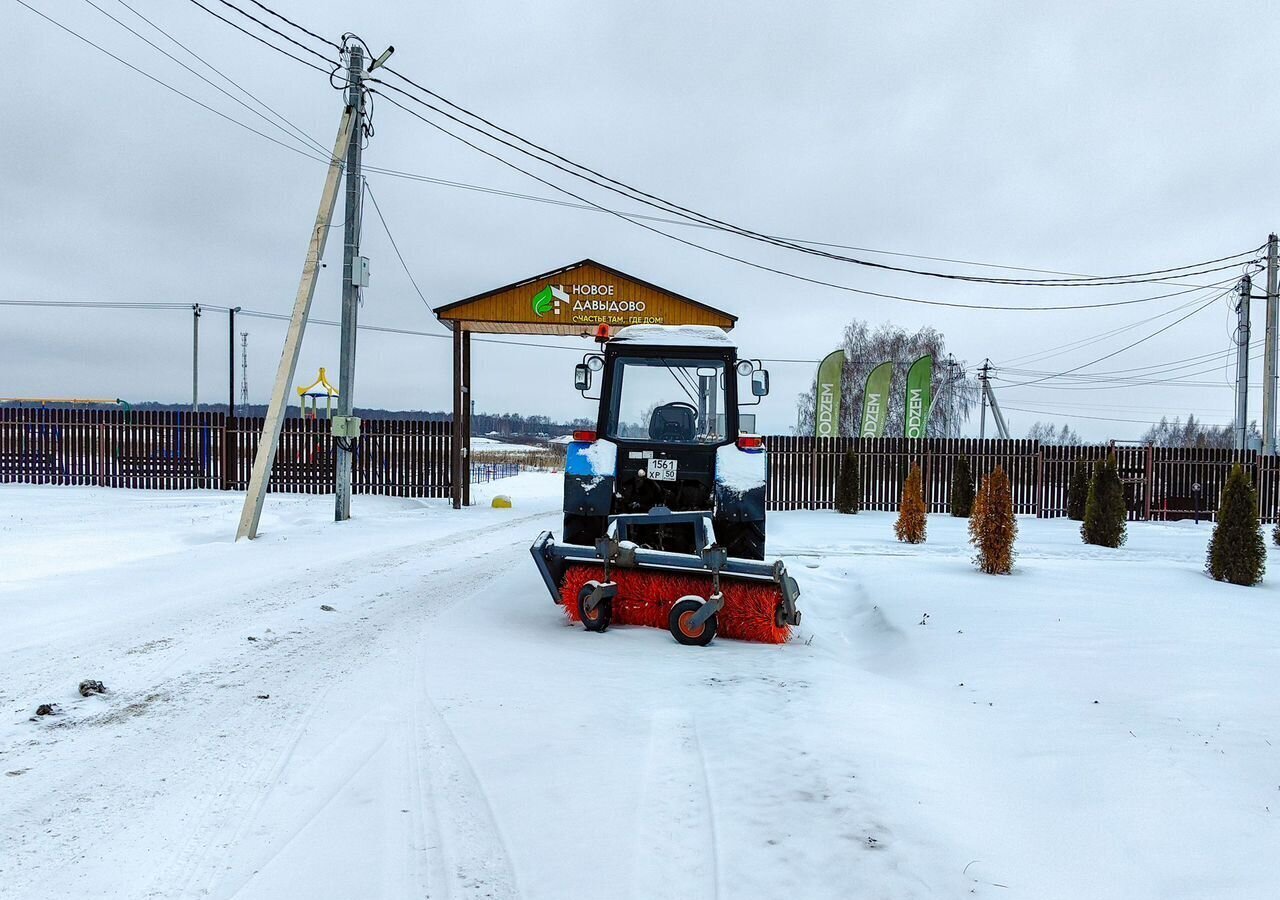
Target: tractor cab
<point>668,435</point>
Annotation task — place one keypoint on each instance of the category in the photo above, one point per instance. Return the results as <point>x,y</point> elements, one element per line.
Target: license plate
<point>662,469</point>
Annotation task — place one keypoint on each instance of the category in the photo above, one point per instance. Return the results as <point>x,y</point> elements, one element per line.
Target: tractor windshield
<point>668,400</point>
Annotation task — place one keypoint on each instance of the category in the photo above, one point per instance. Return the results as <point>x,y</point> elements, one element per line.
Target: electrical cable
<point>413,281</point>
<point>1081,343</point>
<point>1158,331</point>
<point>783,272</point>
<point>1102,418</point>
<point>219,89</point>
<point>260,40</point>
<point>164,84</point>
<point>231,81</point>
<point>294,24</point>
<point>654,201</point>
<point>671,207</point>
<point>276,32</point>
<point>708,221</point>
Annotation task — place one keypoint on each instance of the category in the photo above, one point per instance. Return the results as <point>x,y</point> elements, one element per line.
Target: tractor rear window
<point>668,400</point>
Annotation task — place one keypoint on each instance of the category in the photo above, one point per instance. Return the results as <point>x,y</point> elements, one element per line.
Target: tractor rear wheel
<point>743,540</point>
<point>583,530</point>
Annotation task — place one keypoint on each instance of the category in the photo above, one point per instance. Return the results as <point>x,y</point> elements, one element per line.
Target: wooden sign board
<point>577,299</point>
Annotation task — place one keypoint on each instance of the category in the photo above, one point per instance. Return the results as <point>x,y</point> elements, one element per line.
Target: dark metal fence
<point>175,450</point>
<point>1160,483</point>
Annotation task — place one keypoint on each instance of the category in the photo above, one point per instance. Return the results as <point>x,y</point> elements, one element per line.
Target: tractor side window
<point>668,400</point>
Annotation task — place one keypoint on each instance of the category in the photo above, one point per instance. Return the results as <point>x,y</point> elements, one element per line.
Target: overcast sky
<point>1085,137</point>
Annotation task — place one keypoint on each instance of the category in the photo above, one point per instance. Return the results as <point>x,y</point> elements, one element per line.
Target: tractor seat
<point>673,422</point>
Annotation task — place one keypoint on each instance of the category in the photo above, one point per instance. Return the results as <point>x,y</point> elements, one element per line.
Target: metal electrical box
<point>361,274</point>
<point>346,426</point>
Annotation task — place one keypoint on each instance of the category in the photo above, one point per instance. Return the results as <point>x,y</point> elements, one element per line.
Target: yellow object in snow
<point>502,501</point>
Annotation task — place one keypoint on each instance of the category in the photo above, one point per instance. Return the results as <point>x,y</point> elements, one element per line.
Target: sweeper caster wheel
<point>594,619</point>
<point>681,623</point>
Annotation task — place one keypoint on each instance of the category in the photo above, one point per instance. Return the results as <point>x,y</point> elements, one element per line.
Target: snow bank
<point>675,335</point>
<point>739,470</point>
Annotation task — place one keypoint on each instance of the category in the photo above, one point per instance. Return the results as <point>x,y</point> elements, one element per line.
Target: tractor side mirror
<point>582,377</point>
<point>760,383</point>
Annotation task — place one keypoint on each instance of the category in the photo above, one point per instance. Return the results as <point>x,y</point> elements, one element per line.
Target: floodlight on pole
<point>386,54</point>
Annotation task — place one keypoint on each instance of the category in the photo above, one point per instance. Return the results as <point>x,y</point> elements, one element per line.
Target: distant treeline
<point>505,424</point>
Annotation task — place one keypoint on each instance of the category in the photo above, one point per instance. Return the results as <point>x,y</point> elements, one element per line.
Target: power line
<point>1158,331</point>
<point>589,207</point>
<point>324,151</point>
<point>221,90</point>
<point>276,32</point>
<point>1059,350</point>
<point>600,180</point>
<point>772,269</point>
<point>289,21</point>
<point>413,281</point>
<point>654,201</point>
<point>1100,418</point>
<point>1092,280</point>
<point>164,84</point>
<point>264,41</point>
<point>262,314</point>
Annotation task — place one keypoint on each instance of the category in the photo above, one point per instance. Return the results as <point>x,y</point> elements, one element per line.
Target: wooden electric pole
<point>274,421</point>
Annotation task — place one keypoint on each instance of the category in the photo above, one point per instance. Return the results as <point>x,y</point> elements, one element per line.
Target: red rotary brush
<point>646,597</point>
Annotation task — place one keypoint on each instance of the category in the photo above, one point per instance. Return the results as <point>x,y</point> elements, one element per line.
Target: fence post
<point>813,475</point>
<point>1150,482</point>
<point>228,454</point>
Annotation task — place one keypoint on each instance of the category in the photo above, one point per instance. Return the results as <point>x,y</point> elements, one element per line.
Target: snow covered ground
<point>1101,724</point>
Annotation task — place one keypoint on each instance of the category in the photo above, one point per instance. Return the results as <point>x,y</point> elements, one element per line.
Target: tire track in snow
<point>470,854</point>
<point>244,798</point>
<point>676,854</point>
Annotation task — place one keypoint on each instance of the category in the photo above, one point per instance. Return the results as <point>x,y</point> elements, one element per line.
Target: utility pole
<point>951,395</point>
<point>244,369</point>
<point>231,361</point>
<point>269,442</point>
<point>344,443</point>
<point>1242,362</point>
<point>195,357</point>
<point>989,397</point>
<point>1269,352</point>
<point>982,416</point>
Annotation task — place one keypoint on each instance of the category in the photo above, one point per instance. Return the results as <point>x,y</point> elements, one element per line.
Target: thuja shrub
<point>992,527</point>
<point>1104,511</point>
<point>849,486</point>
<point>1078,490</point>
<point>912,520</point>
<point>961,489</point>
<point>1237,552</point>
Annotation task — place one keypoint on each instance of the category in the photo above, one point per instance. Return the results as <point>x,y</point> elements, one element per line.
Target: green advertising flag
<point>875,400</point>
<point>919,397</point>
<point>826,411</point>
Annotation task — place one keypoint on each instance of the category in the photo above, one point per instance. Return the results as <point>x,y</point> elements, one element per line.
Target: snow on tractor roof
<point>675,335</point>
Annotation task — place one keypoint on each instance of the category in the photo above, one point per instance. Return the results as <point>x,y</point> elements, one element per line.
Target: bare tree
<point>1194,434</point>
<point>955,394</point>
<point>1048,433</point>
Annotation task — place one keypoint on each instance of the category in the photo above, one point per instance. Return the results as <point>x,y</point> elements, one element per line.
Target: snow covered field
<point>1101,724</point>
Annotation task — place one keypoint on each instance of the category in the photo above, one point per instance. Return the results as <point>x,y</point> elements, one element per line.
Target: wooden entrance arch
<point>574,299</point>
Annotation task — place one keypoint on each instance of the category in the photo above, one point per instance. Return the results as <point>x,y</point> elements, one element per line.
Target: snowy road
<point>440,732</point>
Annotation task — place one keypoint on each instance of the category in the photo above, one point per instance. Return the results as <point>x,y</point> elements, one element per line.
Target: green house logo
<point>548,300</point>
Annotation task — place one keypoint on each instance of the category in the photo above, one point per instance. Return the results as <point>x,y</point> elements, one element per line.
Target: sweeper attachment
<point>694,595</point>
